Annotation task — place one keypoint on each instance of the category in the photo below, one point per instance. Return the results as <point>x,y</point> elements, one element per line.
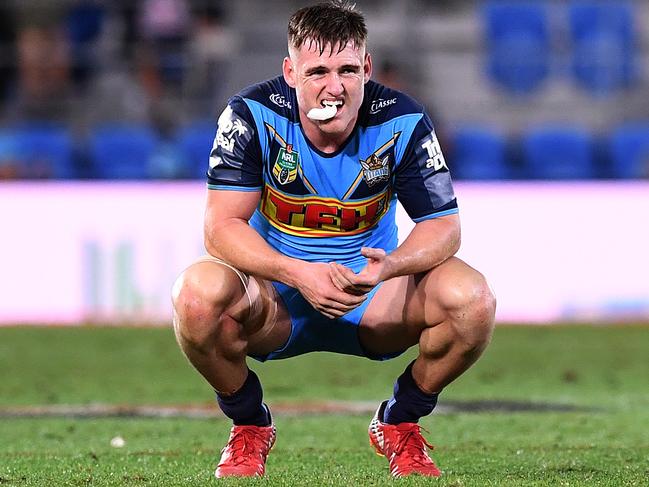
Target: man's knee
<point>471,307</point>
<point>203,295</point>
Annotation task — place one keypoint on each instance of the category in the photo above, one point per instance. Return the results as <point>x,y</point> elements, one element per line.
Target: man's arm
<point>429,244</point>
<point>422,183</point>
<point>229,237</point>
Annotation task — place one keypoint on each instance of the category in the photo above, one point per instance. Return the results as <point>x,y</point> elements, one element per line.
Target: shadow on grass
<point>280,409</point>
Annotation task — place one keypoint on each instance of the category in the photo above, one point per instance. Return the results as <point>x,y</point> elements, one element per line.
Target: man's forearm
<point>430,243</point>
<point>240,245</point>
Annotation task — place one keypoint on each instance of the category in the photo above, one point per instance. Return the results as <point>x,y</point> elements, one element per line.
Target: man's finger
<point>372,253</point>
<point>327,314</point>
<point>342,277</point>
<point>365,288</point>
<point>338,278</point>
<point>354,279</point>
<point>348,274</point>
<point>334,309</point>
<point>349,300</point>
<point>364,281</point>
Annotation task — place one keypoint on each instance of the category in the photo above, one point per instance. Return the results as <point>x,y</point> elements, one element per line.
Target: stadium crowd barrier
<point>108,252</point>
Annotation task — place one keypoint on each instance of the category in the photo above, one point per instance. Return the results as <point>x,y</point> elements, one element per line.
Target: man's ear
<point>289,72</point>
<point>367,67</point>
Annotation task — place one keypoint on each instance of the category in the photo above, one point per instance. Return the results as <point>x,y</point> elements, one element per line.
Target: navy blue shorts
<point>311,331</point>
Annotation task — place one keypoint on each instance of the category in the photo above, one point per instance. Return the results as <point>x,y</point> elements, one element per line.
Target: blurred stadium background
<point>140,83</point>
<point>108,110</point>
<point>107,115</point>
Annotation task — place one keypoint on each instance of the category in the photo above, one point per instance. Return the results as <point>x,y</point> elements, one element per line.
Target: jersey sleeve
<point>235,159</point>
<point>422,179</point>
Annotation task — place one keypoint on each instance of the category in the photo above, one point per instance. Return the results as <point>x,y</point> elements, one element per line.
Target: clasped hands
<point>334,289</point>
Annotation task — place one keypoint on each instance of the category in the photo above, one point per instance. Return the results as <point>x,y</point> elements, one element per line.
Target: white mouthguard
<point>329,111</point>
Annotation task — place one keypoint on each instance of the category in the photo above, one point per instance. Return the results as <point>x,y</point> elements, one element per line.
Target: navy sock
<point>245,406</point>
<point>408,402</point>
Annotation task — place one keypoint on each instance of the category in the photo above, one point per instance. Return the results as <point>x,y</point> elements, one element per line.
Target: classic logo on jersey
<point>280,100</point>
<point>230,128</point>
<point>285,168</point>
<point>376,168</point>
<point>435,157</point>
<point>312,216</point>
<point>380,103</point>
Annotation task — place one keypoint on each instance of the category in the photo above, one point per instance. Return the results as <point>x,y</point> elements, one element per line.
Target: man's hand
<point>376,270</point>
<point>315,284</point>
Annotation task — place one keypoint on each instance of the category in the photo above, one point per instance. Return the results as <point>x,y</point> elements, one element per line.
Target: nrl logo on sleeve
<point>285,168</point>
<point>280,100</point>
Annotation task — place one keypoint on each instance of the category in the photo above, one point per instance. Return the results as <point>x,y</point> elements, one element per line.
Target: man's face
<point>328,77</point>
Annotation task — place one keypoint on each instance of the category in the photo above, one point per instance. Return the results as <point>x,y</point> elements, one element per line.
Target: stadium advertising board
<point>109,252</point>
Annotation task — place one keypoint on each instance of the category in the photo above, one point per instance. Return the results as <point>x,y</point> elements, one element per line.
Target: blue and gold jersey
<point>319,206</point>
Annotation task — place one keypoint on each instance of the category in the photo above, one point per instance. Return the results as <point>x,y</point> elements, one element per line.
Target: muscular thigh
<point>250,301</point>
<point>404,306</point>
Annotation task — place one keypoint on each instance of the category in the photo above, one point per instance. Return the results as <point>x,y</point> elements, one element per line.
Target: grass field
<point>598,375</point>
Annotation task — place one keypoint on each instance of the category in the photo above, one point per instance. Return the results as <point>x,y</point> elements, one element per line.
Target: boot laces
<point>410,440</point>
<point>246,445</point>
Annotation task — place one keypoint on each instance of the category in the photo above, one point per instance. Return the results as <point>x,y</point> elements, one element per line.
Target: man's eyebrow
<point>313,69</point>
<point>320,67</point>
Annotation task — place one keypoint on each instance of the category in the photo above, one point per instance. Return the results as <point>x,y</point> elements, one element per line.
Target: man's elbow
<point>455,237</point>
<point>211,239</point>
<point>210,247</point>
<point>456,241</point>
<point>216,234</point>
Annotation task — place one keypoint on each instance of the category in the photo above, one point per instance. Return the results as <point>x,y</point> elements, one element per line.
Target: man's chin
<point>332,126</point>
<point>336,127</point>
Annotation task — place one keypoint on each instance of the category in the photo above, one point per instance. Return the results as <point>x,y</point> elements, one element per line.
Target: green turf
<point>602,369</point>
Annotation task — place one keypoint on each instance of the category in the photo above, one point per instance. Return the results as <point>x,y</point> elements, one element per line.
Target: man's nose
<point>335,84</point>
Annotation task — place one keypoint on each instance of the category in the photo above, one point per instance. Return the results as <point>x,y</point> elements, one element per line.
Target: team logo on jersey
<point>286,165</point>
<point>285,168</point>
<point>376,168</point>
<point>314,216</point>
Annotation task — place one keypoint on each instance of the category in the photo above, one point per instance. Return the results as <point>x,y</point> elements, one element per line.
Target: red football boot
<point>403,445</point>
<point>246,451</point>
